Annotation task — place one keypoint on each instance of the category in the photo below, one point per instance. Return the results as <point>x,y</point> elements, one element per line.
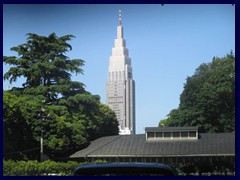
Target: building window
<point>148,160</point>
<point>176,134</point>
<point>133,159</point>
<point>184,134</point>
<point>153,160</point>
<point>167,135</point>
<point>139,159</point>
<point>192,134</point>
<point>129,75</point>
<point>158,134</point>
<point>150,135</point>
<point>159,160</point>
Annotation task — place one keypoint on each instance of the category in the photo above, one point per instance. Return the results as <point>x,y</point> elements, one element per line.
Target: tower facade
<point>120,85</point>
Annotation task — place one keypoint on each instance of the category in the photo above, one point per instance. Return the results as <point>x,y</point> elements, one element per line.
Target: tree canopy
<point>49,100</point>
<point>208,98</point>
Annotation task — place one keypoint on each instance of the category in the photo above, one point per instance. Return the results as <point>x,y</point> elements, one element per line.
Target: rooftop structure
<point>171,133</point>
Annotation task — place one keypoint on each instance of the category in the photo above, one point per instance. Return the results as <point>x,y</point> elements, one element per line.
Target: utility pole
<point>41,144</point>
<point>41,140</point>
<point>43,118</point>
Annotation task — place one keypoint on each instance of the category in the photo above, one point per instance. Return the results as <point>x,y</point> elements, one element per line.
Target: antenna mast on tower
<point>120,17</point>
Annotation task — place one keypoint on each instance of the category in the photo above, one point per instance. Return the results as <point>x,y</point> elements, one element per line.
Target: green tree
<point>48,100</point>
<point>42,61</point>
<point>109,121</point>
<point>17,132</point>
<point>208,98</point>
<point>163,123</point>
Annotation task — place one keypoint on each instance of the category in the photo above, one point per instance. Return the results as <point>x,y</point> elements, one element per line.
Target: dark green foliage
<point>208,98</point>
<point>46,168</point>
<point>17,131</point>
<point>42,60</point>
<point>68,115</point>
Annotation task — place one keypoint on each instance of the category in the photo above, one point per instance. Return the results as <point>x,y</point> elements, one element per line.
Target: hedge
<point>35,168</point>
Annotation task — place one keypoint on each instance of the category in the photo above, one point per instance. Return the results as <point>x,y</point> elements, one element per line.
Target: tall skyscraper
<point>120,84</point>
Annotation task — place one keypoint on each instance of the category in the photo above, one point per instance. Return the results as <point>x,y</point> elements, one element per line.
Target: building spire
<point>120,17</point>
<point>119,28</point>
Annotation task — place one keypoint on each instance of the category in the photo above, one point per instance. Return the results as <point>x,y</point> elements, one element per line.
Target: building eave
<point>145,155</point>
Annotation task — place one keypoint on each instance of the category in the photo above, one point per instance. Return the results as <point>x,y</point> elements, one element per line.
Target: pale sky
<point>166,44</point>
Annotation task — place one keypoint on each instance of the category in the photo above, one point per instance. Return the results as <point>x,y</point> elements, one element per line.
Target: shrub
<point>34,168</point>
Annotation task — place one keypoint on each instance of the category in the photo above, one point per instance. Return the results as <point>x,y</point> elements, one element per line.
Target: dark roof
<point>170,129</point>
<point>136,145</point>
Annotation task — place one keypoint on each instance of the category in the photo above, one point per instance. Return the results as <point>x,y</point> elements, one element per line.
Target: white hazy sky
<point>166,44</point>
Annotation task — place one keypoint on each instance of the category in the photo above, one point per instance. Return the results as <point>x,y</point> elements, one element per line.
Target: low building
<point>171,145</point>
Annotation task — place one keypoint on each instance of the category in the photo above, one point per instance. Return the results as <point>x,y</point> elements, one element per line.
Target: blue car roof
<point>103,167</point>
